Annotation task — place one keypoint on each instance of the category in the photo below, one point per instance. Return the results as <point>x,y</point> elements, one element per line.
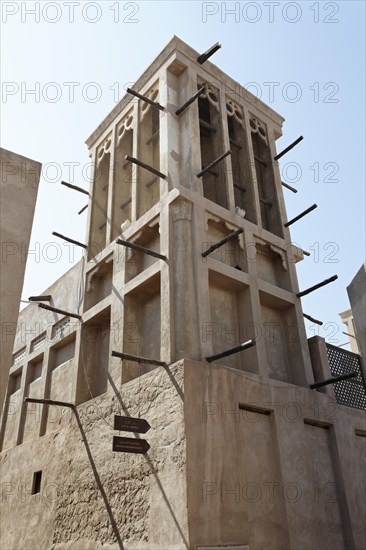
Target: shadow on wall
<point>147,458</point>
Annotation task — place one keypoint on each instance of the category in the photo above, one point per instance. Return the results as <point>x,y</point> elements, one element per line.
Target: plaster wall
<point>357,296</point>
<point>268,465</point>
<point>19,187</point>
<point>144,495</point>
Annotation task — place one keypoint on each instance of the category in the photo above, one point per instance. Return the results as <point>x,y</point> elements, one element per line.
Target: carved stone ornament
<point>103,149</point>
<point>258,127</point>
<point>125,124</point>
<point>224,224</point>
<point>235,110</point>
<point>273,248</point>
<point>211,93</point>
<point>152,94</point>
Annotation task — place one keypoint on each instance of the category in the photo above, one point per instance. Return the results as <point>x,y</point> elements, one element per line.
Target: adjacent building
<point>19,188</point>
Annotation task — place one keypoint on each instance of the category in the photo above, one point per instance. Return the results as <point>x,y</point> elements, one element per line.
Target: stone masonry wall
<point>144,495</point>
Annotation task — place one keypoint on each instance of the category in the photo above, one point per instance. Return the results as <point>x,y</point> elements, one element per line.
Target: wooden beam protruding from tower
<point>141,249</point>
<point>68,239</point>
<point>138,359</point>
<point>277,157</point>
<point>146,166</point>
<point>204,56</point>
<point>146,99</point>
<point>214,163</point>
<point>231,351</point>
<point>191,100</point>
<point>307,211</point>
<point>75,187</point>
<point>61,311</point>
<point>222,242</point>
<point>315,287</point>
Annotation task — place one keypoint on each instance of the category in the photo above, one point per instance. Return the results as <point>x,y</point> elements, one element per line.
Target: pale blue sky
<point>321,50</point>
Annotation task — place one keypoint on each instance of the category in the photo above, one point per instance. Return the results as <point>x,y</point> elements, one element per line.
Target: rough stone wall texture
<point>146,494</point>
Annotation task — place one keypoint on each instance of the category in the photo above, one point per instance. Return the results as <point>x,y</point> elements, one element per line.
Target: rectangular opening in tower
<point>231,321</point>
<point>272,265</point>
<point>98,222</point>
<point>136,260</point>
<point>124,171</point>
<point>98,283</point>
<point>231,253</point>
<point>59,386</point>
<point>212,147</point>
<point>94,357</point>
<point>12,409</point>
<point>148,187</point>
<point>30,424</point>
<point>270,213</point>
<point>241,173</point>
<point>142,327</point>
<point>281,335</point>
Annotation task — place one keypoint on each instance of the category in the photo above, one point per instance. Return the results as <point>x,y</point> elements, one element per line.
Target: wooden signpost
<point>130,444</point>
<point>129,424</point>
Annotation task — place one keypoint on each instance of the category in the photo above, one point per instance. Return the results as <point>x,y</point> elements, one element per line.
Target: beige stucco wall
<point>286,470</point>
<point>145,494</point>
<point>357,297</point>
<point>19,187</point>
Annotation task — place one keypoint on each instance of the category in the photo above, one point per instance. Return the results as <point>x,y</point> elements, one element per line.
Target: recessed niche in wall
<point>99,203</point>
<point>60,381</point>
<point>19,357</point>
<point>233,252</point>
<point>212,145</point>
<point>38,342</point>
<point>123,173</point>
<point>94,357</point>
<point>272,265</point>
<point>148,184</point>
<point>240,163</point>
<point>142,322</point>
<point>62,352</point>
<point>280,332</point>
<point>231,321</point>
<point>15,381</point>
<point>35,369</point>
<point>36,484</point>
<point>137,261</point>
<point>270,213</point>
<point>31,419</point>
<point>12,409</point>
<point>98,283</point>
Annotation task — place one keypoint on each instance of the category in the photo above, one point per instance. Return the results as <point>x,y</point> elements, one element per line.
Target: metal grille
<point>351,392</point>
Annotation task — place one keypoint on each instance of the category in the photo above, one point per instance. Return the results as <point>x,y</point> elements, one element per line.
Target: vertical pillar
<point>186,335</point>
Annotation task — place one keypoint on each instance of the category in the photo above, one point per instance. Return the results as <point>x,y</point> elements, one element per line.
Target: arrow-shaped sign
<point>129,424</point>
<point>130,445</point>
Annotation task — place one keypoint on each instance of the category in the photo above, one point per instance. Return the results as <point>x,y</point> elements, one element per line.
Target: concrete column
<point>184,282</point>
<point>320,364</point>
